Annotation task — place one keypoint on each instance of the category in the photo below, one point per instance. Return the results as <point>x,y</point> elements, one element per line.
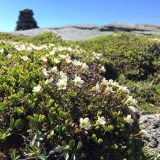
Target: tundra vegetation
<point>74,100</point>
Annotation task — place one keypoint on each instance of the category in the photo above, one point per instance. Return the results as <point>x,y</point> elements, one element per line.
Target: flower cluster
<point>59,105</point>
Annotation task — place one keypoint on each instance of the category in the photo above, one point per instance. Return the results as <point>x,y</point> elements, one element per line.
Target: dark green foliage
<point>26,20</point>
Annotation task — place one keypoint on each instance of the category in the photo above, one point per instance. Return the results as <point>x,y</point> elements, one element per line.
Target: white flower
<point>108,90</point>
<point>113,83</point>
<point>131,100</point>
<point>76,63</point>
<point>25,58</point>
<point>123,89</point>
<point>85,123</point>
<point>37,88</point>
<point>78,81</point>
<point>44,59</point>
<point>20,47</point>
<point>9,56</point>
<point>2,50</point>
<point>62,56</point>
<point>101,121</point>
<point>49,81</point>
<point>60,48</point>
<point>53,51</point>
<point>97,88</point>
<point>102,69</point>
<point>104,82</point>
<point>45,72</point>
<point>29,48</point>
<point>62,75</point>
<point>54,69</point>
<point>68,59</point>
<point>62,83</point>
<point>128,119</point>
<point>52,132</point>
<point>96,55</point>
<point>69,49</point>
<point>56,60</point>
<point>84,66</point>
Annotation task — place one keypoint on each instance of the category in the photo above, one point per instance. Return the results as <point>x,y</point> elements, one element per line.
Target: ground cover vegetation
<point>63,101</point>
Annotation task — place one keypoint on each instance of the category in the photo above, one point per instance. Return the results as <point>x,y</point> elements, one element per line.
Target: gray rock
<point>84,32</point>
<point>154,143</point>
<point>151,123</point>
<point>156,124</point>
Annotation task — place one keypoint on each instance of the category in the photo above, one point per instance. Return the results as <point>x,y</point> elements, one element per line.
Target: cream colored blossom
<point>68,59</point>
<point>49,81</point>
<point>113,83</point>
<point>128,119</point>
<point>123,89</point>
<point>102,69</point>
<point>101,121</point>
<point>97,88</point>
<point>97,55</point>
<point>104,82</point>
<point>78,81</point>
<point>76,63</point>
<point>37,88</point>
<point>2,50</point>
<point>62,75</point>
<point>44,59</point>
<point>54,69</point>
<point>45,72</point>
<point>62,56</point>
<point>56,60</point>
<point>85,66</point>
<point>62,83</point>
<point>24,58</point>
<point>131,100</point>
<point>85,123</point>
<point>108,90</point>
<point>9,56</point>
<point>53,51</point>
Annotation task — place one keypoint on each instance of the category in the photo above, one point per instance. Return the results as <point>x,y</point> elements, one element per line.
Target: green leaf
<point>72,143</point>
<point>4,134</point>
<point>41,157</point>
<point>94,137</point>
<point>2,106</point>
<point>32,122</point>
<point>1,133</point>
<point>11,123</point>
<point>17,123</point>
<point>80,145</point>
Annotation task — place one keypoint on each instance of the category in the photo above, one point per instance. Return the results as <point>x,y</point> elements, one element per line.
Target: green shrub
<point>45,38</point>
<point>137,58</point>
<point>54,106</point>
<point>146,94</point>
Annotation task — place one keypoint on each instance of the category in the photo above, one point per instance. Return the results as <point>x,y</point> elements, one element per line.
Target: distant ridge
<point>84,32</point>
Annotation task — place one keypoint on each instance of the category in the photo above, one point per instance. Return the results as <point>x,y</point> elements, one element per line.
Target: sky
<point>50,13</point>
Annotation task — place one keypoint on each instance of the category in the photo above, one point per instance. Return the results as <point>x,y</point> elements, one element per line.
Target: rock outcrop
<point>151,124</point>
<point>83,32</point>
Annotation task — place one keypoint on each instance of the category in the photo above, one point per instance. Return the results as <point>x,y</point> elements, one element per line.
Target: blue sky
<point>65,12</point>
